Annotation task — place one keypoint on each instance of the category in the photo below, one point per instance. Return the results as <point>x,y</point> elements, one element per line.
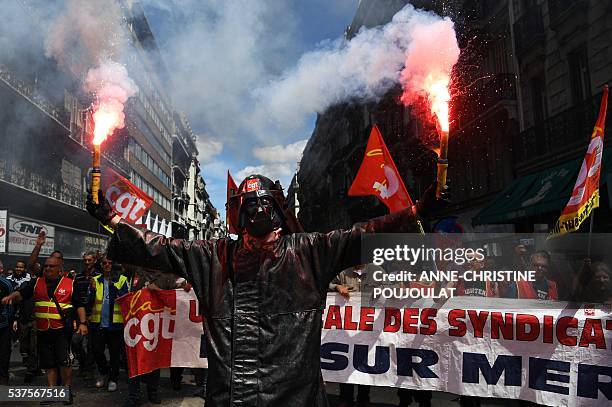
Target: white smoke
<point>364,68</point>
<point>86,32</point>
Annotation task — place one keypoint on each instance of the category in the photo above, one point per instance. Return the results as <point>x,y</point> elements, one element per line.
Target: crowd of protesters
<point>58,316</point>
<point>591,284</point>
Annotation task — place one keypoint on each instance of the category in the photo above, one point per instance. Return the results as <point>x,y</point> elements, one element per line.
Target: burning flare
<point>439,97</point>
<point>429,62</point>
<point>112,87</point>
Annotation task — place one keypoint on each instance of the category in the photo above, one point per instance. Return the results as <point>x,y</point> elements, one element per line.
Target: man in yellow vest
<point>107,322</point>
<point>53,335</point>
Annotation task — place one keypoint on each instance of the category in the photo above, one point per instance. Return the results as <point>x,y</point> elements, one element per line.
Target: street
<point>86,394</point>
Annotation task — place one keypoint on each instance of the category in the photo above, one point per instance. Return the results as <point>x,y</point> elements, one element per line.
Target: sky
<point>224,57</point>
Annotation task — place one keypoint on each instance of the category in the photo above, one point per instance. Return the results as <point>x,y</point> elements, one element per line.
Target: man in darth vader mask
<point>262,295</point>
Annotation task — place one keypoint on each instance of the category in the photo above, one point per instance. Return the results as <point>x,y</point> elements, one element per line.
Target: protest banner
<point>155,337</point>
<point>541,351</point>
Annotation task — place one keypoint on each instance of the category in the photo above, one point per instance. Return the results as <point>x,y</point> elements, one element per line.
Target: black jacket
<point>262,323</point>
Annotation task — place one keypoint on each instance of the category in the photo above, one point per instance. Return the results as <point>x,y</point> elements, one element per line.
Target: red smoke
<point>429,61</point>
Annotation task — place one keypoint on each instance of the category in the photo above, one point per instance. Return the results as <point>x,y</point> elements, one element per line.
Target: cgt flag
<point>127,199</point>
<point>378,176</point>
<point>585,196</point>
<point>232,189</point>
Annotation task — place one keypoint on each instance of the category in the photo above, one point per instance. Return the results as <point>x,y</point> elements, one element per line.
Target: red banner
<point>232,190</point>
<point>152,319</point>
<point>379,176</point>
<point>127,199</point>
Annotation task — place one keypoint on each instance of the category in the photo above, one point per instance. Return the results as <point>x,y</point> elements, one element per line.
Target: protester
<point>593,283</point>
<point>54,300</point>
<point>140,279</point>
<point>265,290</point>
<point>28,336</point>
<point>107,322</point>
<point>348,282</point>
<point>82,346</point>
<point>6,325</point>
<point>540,289</point>
<point>478,288</point>
<point>20,275</point>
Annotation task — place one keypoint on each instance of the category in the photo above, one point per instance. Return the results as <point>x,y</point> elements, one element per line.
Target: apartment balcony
<point>562,134</point>
<point>52,187</point>
<point>529,31</point>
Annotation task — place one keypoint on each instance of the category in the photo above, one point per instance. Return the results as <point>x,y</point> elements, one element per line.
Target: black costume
<point>263,309</point>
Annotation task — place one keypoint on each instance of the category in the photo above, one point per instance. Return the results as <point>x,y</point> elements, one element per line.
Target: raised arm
<point>332,252</point>
<point>40,241</point>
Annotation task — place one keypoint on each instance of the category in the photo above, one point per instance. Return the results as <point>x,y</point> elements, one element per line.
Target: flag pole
<point>590,233</point>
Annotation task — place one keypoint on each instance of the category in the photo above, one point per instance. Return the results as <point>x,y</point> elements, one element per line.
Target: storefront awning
<point>539,193</point>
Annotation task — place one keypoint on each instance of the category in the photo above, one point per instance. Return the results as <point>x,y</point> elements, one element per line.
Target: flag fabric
<point>155,226</point>
<point>585,195</point>
<point>232,189</point>
<point>127,199</point>
<point>378,176</point>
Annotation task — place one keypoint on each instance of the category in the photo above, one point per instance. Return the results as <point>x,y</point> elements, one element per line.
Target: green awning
<point>538,193</point>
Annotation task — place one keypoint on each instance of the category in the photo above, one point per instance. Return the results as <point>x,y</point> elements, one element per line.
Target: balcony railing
<point>529,30</point>
<point>15,174</point>
<point>565,131</point>
<point>27,90</point>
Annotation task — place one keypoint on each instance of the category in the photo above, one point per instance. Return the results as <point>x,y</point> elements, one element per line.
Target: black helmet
<point>259,191</point>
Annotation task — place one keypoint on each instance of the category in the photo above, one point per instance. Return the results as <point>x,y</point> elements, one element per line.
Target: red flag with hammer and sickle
<point>379,176</point>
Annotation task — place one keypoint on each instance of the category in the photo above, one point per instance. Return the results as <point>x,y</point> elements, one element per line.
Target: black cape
<point>263,312</point>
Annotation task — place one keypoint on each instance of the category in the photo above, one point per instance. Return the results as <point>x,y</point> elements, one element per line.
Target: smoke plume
<point>111,86</point>
<point>402,52</point>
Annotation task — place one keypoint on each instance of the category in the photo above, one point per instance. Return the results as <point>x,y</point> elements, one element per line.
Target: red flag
<point>585,196</point>
<point>127,199</point>
<point>232,189</point>
<point>378,176</point>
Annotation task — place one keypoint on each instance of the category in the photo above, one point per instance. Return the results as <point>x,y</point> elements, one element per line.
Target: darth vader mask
<point>259,216</point>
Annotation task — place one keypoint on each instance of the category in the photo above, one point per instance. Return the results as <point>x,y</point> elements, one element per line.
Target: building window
<point>580,79</point>
<point>538,100</point>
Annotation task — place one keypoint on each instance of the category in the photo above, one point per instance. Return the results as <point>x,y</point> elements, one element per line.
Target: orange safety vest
<point>526,290</point>
<point>45,310</point>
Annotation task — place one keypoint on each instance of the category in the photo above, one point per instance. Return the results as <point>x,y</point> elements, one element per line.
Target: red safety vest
<point>526,290</point>
<point>45,310</point>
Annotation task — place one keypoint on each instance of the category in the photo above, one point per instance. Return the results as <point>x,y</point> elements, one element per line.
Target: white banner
<point>543,352</point>
<point>23,234</point>
<point>3,230</point>
<point>186,351</point>
<point>540,351</point>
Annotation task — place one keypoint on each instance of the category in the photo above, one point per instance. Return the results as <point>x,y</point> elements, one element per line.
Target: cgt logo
<point>29,229</point>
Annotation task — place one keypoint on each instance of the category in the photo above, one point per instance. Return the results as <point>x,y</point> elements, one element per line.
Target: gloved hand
<point>429,203</point>
<point>102,211</point>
